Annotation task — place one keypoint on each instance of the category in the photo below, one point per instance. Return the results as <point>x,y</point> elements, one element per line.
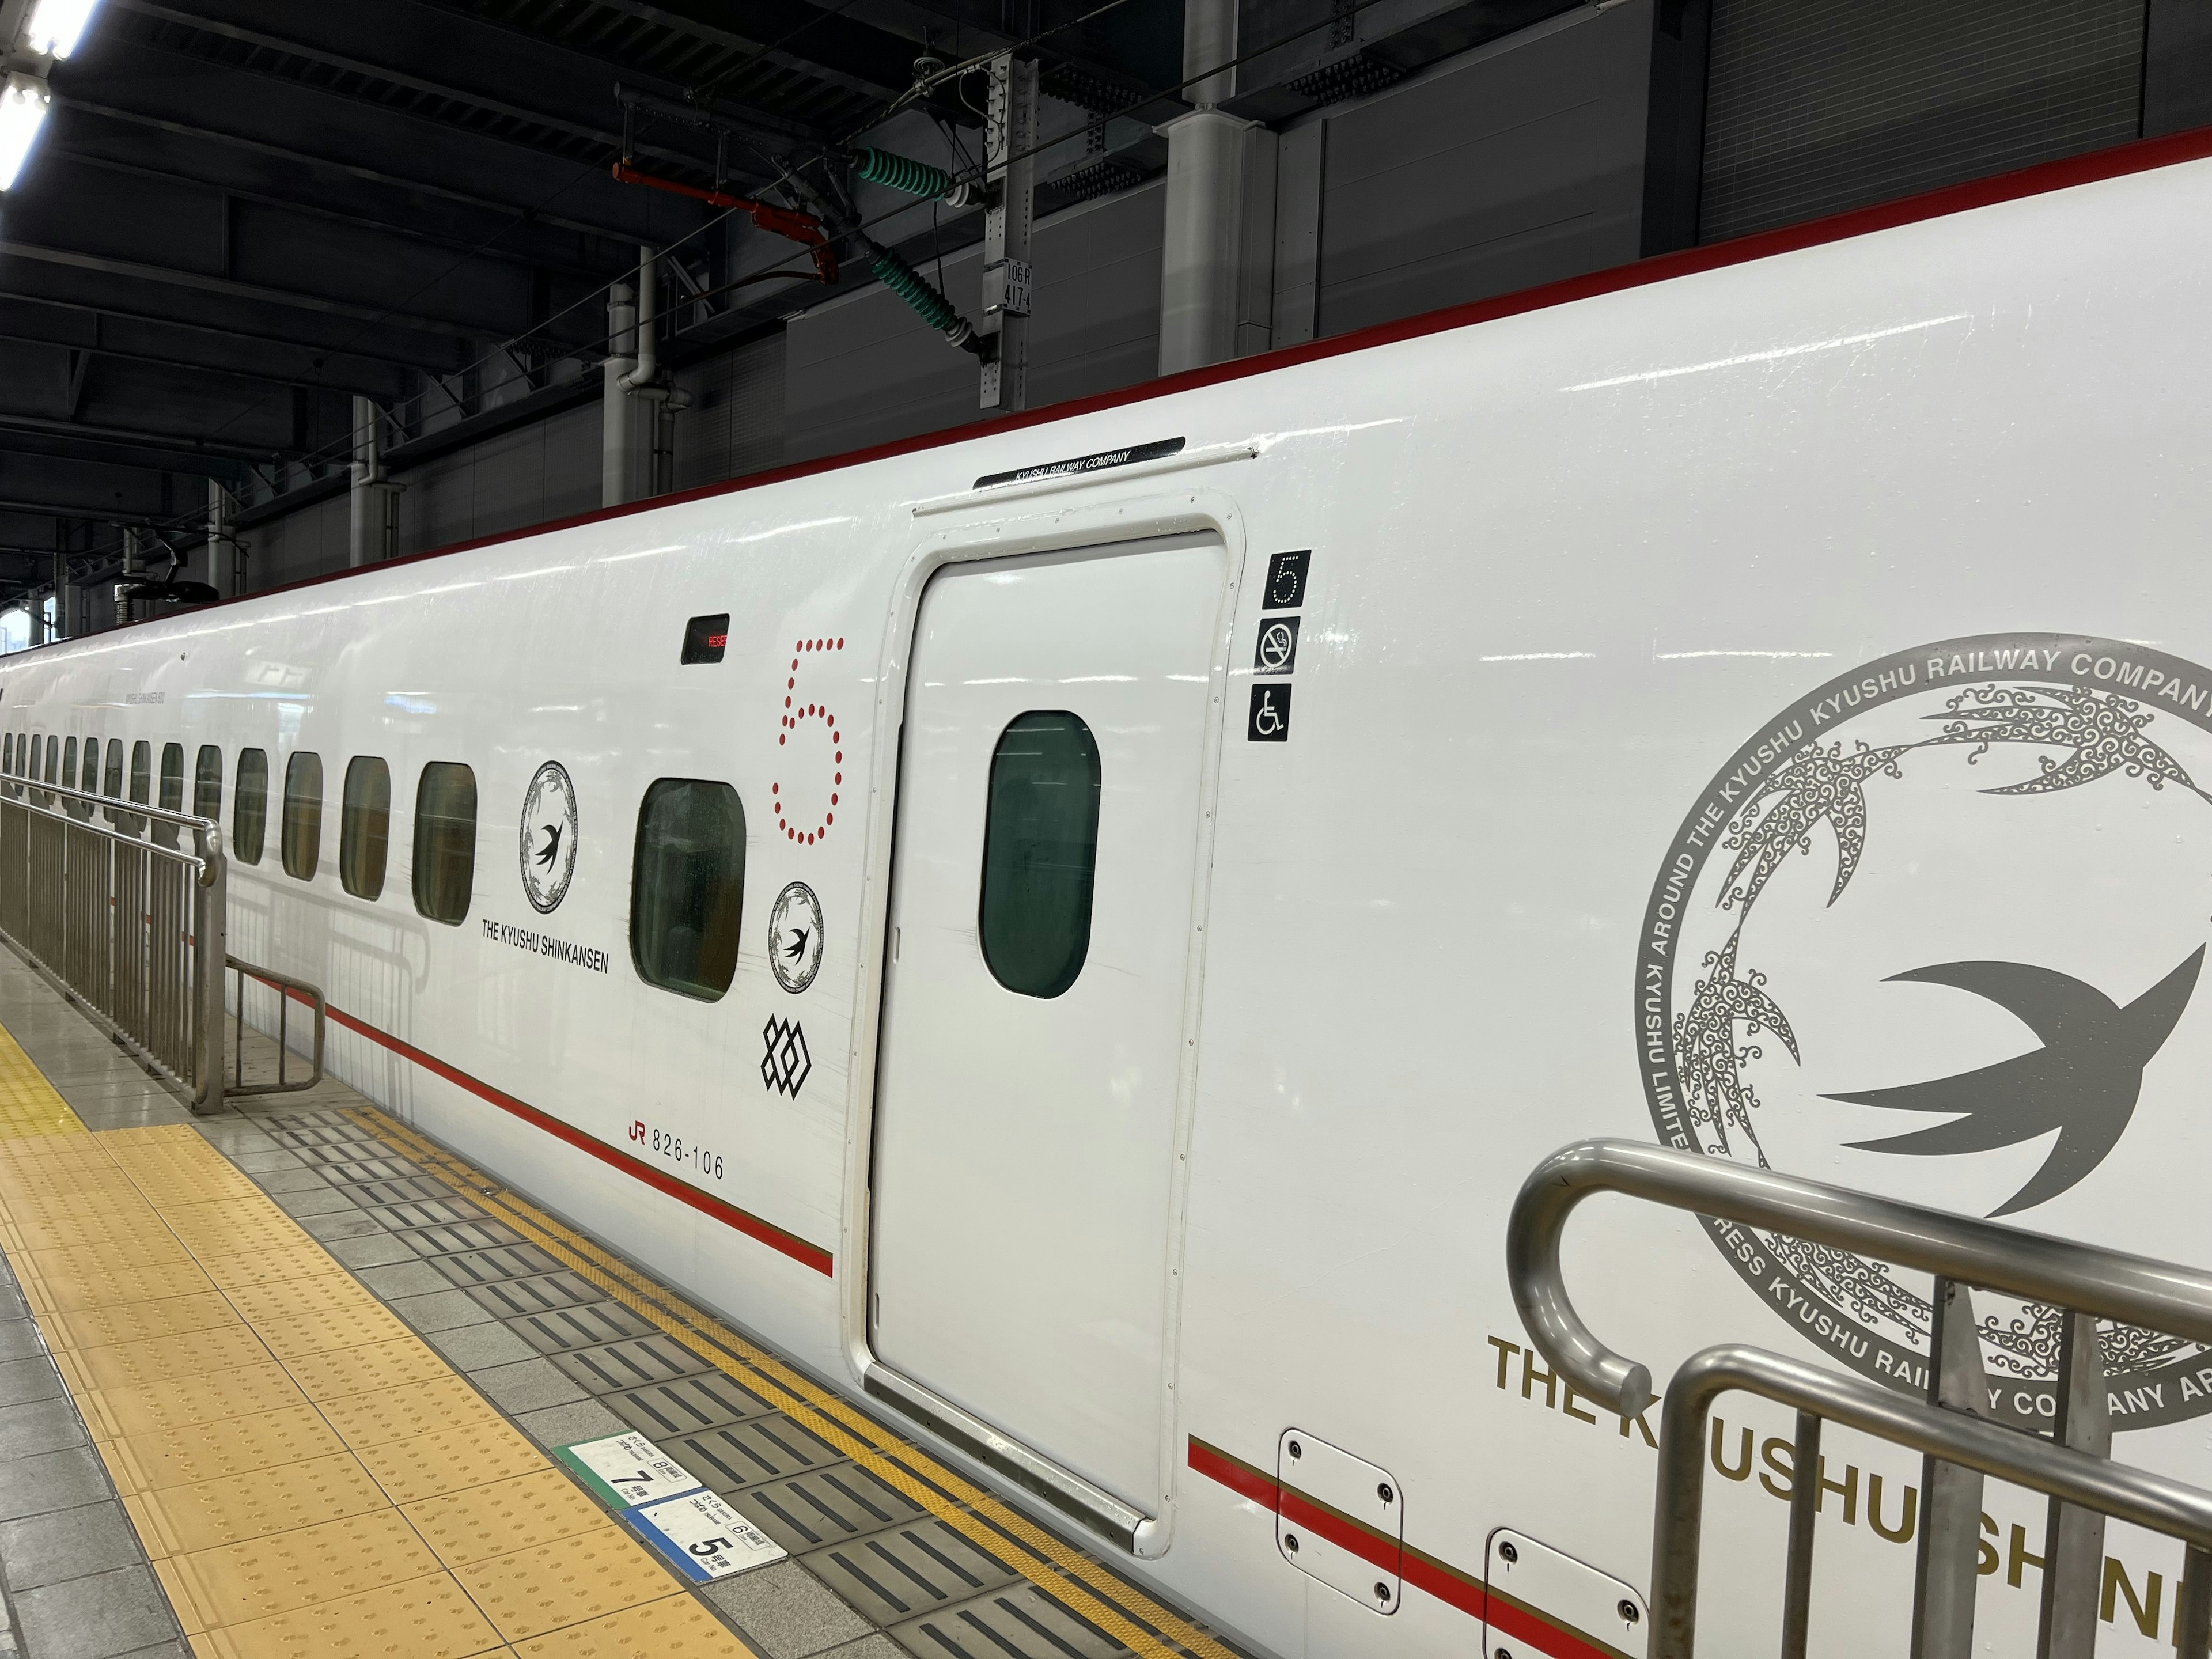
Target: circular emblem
<point>548,837</point>
<point>1935,930</point>
<point>794,936</point>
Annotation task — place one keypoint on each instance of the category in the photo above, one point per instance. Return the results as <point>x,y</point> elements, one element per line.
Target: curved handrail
<point>2166,1298</point>
<point>2146,1499</point>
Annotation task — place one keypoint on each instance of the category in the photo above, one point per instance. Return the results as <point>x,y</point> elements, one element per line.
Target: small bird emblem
<point>551,850</point>
<point>2083,1082</point>
<point>797,949</point>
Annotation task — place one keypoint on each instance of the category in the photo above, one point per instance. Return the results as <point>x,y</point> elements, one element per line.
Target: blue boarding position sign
<point>704,1536</point>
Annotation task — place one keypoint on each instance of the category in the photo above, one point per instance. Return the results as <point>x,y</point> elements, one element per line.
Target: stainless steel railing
<point>131,926</point>
<point>1958,1447</point>
<point>289,991</point>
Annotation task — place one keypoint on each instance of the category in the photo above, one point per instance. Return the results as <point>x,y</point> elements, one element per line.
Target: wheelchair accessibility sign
<point>1270,719</point>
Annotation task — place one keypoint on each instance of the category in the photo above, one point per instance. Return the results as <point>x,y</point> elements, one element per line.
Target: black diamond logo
<point>785,1064</point>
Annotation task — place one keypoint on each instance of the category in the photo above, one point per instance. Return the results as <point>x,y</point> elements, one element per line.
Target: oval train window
<point>1040,853</point>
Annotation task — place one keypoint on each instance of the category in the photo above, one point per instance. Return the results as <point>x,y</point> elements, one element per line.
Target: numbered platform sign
<point>704,1536</point>
<point>628,1469</point>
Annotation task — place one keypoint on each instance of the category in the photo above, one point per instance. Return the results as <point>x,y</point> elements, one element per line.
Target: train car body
<point>1749,709</point>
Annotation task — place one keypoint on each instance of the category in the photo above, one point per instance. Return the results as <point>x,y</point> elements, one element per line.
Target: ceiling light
<point>23,103</point>
<point>57,25</point>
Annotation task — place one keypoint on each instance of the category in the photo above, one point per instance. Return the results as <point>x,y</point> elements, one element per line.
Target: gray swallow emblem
<point>2084,1081</point>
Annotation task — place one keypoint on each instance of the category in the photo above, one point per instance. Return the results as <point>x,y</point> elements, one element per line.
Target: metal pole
<point>61,586</point>
<point>1804,1510</point>
<point>222,564</point>
<point>2074,1538</point>
<point>1943,1579</point>
<point>210,951</point>
<point>1009,134</point>
<point>369,499</point>
<point>617,482</point>
<point>2193,1615</point>
<point>125,609</point>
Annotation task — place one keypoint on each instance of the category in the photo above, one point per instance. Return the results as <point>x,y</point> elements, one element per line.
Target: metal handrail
<point>1957,1446</point>
<point>286,988</point>
<point>20,788</point>
<point>2112,1284</point>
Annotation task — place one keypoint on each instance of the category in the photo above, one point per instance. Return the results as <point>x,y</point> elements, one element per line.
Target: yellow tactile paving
<point>333,1374</point>
<point>427,1618</point>
<point>587,1575</point>
<point>413,1409</point>
<point>674,1627</point>
<point>29,1106</point>
<point>197,1517</point>
<point>265,1419</point>
<point>479,1522</point>
<point>239,1583</point>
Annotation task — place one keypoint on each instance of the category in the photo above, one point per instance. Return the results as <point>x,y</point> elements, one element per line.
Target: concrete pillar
<point>625,423</point>
<point>1217,259</point>
<point>221,558</point>
<point>368,538</point>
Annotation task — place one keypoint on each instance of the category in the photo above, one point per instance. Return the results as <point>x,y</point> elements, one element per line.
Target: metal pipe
<point>2137,1496</point>
<point>1804,1514</point>
<point>616,445</point>
<point>646,369</point>
<point>2162,1295</point>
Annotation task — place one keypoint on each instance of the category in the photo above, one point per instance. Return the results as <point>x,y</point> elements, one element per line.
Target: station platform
<point>292,1379</point>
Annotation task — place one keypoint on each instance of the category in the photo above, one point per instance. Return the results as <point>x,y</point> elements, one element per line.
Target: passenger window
<point>364,826</point>
<point>53,757</point>
<point>1040,853</point>
<point>112,785</point>
<point>207,783</point>
<point>302,840</point>
<point>687,887</point>
<point>69,778</point>
<point>444,841</point>
<point>141,787</point>
<point>173,791</point>
<point>249,816</point>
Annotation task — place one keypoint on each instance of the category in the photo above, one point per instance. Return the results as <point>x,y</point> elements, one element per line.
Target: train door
<point>1047,833</point>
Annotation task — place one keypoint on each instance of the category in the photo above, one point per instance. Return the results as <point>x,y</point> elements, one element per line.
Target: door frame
<point>1103,517</point>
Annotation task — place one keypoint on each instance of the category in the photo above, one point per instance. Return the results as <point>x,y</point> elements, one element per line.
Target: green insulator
<point>903,280</point>
<point>880,166</point>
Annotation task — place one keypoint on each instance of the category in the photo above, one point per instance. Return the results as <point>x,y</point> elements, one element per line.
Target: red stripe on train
<point>743,1221</point>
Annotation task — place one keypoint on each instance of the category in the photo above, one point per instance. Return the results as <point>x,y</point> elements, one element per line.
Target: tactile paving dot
<point>331,1374</point>
<point>481,1522</point>
<point>532,1591</point>
<point>188,1353</point>
<point>430,1465</point>
<point>152,1407</point>
<point>213,1512</point>
<point>674,1627</point>
<point>371,1419</point>
<point>149,1284</point>
<point>291,1298</point>
<point>293,1335</point>
<point>236,1583</point>
<point>136,1321</point>
<point>229,1225</point>
<point>140,1248</point>
<point>269,1266</point>
<point>208,1451</point>
<point>422,1619</point>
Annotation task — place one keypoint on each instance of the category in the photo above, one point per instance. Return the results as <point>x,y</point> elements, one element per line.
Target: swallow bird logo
<point>2083,1082</point>
<point>2006,809</point>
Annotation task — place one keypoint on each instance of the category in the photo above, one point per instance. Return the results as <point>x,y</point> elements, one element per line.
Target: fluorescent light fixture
<point>57,25</point>
<point>23,104</point>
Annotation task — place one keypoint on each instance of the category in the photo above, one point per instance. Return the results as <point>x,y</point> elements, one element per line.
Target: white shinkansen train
<point>1078,927</point>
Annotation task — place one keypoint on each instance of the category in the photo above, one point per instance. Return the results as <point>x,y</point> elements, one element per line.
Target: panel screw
<point>1629,1612</point>
<point>1384,1493</point>
<point>1507,1553</point>
<point>1290,1543</point>
<point>1382,1591</point>
<point>1296,1450</point>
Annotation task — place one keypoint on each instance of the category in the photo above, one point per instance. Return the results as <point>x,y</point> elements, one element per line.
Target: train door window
<point>302,839</point>
<point>171,797</point>
<point>365,826</point>
<point>687,887</point>
<point>1040,853</point>
<point>249,801</point>
<point>444,841</point>
<point>207,783</point>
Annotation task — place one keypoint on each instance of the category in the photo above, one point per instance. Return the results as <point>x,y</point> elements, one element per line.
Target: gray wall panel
<point>1522,163</point>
